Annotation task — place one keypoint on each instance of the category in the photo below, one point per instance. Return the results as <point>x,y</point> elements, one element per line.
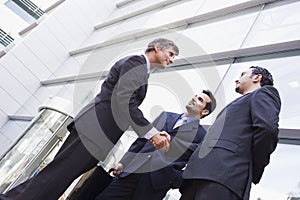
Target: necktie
<point>180,122</point>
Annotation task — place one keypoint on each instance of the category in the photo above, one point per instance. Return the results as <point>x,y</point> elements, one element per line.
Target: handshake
<point>161,140</point>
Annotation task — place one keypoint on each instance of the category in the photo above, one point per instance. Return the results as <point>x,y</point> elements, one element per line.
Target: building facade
<point>64,49</point>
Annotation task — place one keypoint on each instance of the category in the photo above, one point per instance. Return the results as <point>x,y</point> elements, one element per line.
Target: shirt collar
<point>148,63</point>
<point>188,119</point>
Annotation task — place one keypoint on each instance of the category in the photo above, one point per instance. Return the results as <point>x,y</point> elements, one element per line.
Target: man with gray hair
<point>100,124</point>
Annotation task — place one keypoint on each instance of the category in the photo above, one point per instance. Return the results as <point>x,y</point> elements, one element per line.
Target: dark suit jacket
<point>238,145</point>
<point>101,123</point>
<point>165,167</point>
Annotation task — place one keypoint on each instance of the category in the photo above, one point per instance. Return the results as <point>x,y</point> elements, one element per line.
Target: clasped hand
<point>117,170</point>
<point>161,140</point>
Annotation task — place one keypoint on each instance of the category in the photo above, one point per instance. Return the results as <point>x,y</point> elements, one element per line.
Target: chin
<point>238,90</point>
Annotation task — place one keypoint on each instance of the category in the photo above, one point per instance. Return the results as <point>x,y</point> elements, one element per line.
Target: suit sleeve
<point>139,143</point>
<point>185,142</point>
<point>136,146</point>
<point>129,93</point>
<point>186,148</point>
<point>265,108</point>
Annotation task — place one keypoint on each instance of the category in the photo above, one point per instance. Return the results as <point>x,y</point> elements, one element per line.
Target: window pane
<point>285,73</point>
<point>222,34</point>
<point>20,12</point>
<point>281,177</point>
<point>276,24</point>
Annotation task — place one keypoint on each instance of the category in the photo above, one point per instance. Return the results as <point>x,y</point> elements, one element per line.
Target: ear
<point>204,112</point>
<point>157,47</point>
<point>257,78</point>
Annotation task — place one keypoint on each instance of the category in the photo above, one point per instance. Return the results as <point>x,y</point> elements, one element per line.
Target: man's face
<point>164,57</point>
<point>197,104</point>
<point>244,82</point>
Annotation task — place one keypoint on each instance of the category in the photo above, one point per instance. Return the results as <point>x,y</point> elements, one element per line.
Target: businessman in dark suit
<point>238,144</point>
<point>100,124</point>
<point>146,173</point>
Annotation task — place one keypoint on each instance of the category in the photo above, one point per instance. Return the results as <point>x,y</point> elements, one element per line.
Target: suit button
<point>149,156</point>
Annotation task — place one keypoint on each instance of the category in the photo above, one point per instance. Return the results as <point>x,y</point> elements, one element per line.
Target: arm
<point>139,143</point>
<point>265,108</point>
<point>129,93</point>
<point>185,142</point>
<point>188,148</point>
<point>136,146</point>
<point>127,96</point>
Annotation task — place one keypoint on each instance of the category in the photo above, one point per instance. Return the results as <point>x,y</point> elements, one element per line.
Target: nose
<point>171,60</point>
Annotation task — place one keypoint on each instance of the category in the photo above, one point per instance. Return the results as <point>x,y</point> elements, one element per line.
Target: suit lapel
<point>234,101</point>
<point>171,122</point>
<point>189,126</point>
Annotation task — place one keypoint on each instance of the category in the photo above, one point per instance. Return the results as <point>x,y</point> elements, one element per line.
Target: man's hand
<point>118,169</point>
<point>161,140</point>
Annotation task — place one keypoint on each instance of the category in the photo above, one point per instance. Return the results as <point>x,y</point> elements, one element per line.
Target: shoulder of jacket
<point>139,58</point>
<point>268,89</point>
<point>135,58</point>
<point>171,113</point>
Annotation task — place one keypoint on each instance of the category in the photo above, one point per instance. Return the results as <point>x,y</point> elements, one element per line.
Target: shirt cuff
<point>151,133</point>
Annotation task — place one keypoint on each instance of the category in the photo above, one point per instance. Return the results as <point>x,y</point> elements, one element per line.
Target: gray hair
<point>164,44</point>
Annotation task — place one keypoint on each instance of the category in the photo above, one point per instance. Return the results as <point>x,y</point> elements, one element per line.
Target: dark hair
<point>210,106</point>
<point>266,78</point>
<point>164,44</point>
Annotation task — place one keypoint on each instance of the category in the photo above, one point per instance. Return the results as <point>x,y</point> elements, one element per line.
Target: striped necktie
<point>180,122</point>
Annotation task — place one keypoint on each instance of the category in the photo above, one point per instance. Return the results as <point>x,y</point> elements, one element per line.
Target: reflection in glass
<point>119,150</point>
<point>281,178</point>
<point>22,160</point>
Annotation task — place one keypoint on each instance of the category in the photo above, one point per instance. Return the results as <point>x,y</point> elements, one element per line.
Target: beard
<point>238,90</point>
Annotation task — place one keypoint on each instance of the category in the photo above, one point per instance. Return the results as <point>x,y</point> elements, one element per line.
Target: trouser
<point>199,189</point>
<point>70,162</point>
<point>94,185</point>
<point>135,186</point>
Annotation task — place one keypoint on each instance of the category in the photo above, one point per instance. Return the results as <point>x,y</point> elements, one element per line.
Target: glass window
<point>280,180</point>
<point>222,34</point>
<point>25,9</point>
<point>281,177</point>
<point>278,22</point>
<point>23,159</point>
<point>119,150</point>
<point>285,73</point>
<point>5,39</point>
<point>171,89</point>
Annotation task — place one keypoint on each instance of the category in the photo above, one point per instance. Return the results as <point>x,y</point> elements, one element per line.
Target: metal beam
<point>20,117</point>
<point>176,24</point>
<point>278,50</point>
<point>136,13</point>
<point>78,78</point>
